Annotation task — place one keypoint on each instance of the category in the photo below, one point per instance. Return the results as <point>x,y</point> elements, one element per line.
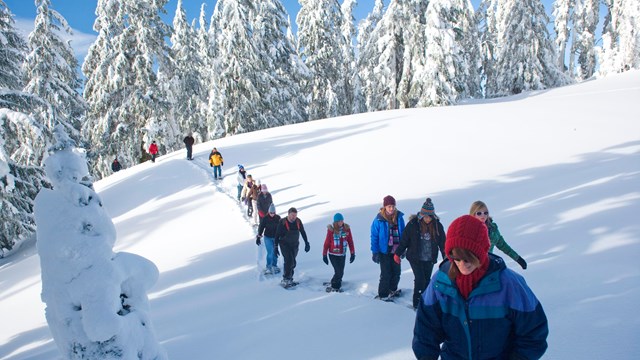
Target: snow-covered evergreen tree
<point>238,105</point>
<point>575,23</point>
<point>320,45</point>
<point>51,72</point>
<point>280,70</point>
<point>367,53</point>
<point>184,88</point>
<point>486,23</point>
<point>525,58</point>
<point>21,141</point>
<point>453,54</point>
<point>353,83</point>
<point>127,109</point>
<point>414,56</point>
<point>96,301</point>
<point>620,49</point>
<point>381,58</point>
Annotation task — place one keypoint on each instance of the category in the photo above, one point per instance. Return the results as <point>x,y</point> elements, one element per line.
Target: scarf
<point>466,283</point>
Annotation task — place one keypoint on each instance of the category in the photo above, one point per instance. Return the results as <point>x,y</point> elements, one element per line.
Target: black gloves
<point>376,258</point>
<point>307,247</point>
<point>275,251</point>
<point>221,164</point>
<point>522,262</point>
<point>325,259</point>
<point>211,165</point>
<point>258,240</point>
<point>353,257</point>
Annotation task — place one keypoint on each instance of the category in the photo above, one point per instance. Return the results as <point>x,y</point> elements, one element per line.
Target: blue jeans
<point>272,260</point>
<point>217,171</point>
<point>239,191</point>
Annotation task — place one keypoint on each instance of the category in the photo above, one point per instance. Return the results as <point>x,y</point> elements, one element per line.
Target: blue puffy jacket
<point>502,319</point>
<point>380,232</point>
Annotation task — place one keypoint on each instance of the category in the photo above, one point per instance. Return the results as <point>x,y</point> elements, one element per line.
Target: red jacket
<point>153,148</point>
<point>337,245</point>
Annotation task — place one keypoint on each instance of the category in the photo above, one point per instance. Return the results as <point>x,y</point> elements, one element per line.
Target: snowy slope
<point>559,170</point>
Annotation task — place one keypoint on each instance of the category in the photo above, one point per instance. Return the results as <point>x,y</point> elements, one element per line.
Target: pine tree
<point>21,176</point>
<point>367,53</point>
<point>184,86</point>
<point>620,49</point>
<point>127,109</point>
<point>486,23</point>
<point>453,54</point>
<point>238,105</point>
<point>51,72</point>
<point>526,58</point>
<point>320,45</point>
<point>575,22</point>
<point>280,70</point>
<point>415,50</point>
<point>353,82</point>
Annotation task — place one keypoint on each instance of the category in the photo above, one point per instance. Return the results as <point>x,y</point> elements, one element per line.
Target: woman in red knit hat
<point>477,308</point>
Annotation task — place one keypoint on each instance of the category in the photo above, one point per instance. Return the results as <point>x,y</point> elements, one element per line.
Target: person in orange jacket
<point>216,161</point>
<point>335,244</point>
<point>153,150</point>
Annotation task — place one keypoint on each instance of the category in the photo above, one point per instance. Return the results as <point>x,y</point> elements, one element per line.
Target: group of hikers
<point>476,306</point>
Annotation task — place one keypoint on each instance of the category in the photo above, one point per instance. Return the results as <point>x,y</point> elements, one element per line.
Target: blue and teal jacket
<point>380,232</point>
<point>502,319</point>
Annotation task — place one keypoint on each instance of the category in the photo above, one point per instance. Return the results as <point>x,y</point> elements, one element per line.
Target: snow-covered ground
<point>559,170</point>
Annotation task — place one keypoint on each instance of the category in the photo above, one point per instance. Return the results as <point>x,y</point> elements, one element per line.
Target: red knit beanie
<point>467,232</point>
<point>388,200</point>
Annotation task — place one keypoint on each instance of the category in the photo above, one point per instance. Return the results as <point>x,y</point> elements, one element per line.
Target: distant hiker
<point>386,230</point>
<point>480,211</point>
<point>115,165</point>
<point>249,196</point>
<point>335,244</point>
<point>288,238</point>
<point>420,242</point>
<point>188,142</point>
<point>242,177</point>
<point>153,150</point>
<point>263,201</point>
<point>269,225</point>
<point>477,308</point>
<point>217,162</point>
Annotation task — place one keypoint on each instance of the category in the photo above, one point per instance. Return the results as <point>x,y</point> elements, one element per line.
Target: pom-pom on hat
<point>427,209</point>
<point>388,200</point>
<point>272,208</point>
<point>338,217</point>
<point>467,232</point>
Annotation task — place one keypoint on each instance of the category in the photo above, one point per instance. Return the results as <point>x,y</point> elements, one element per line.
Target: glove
<point>258,240</point>
<point>325,259</point>
<point>522,262</point>
<point>376,258</point>
<point>396,258</point>
<point>307,247</point>
<point>221,164</point>
<point>353,257</point>
<point>243,199</point>
<point>211,165</point>
<point>275,251</point>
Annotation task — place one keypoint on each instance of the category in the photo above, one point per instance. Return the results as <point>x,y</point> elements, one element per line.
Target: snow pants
<point>389,275</point>
<point>337,262</point>
<point>289,251</point>
<point>422,276</point>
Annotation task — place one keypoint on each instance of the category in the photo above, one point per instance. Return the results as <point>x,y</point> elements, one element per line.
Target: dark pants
<point>217,171</point>
<point>289,251</point>
<point>338,270</point>
<point>189,151</point>
<point>389,275</point>
<point>422,276</point>
<point>153,157</point>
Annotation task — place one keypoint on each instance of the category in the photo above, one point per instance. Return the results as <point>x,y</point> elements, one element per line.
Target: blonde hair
<point>478,206</point>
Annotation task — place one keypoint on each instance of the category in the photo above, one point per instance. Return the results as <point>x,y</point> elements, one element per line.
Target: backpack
<point>286,223</point>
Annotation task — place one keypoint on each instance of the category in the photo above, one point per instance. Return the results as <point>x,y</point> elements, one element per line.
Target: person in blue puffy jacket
<point>475,307</point>
<point>386,230</point>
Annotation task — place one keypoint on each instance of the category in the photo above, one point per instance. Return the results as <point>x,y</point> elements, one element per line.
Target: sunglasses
<point>480,213</point>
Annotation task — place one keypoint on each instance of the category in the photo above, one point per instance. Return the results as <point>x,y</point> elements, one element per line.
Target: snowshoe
<point>386,298</point>
<point>332,289</point>
<point>267,271</point>
<point>396,293</point>
<point>276,270</point>
<point>288,283</point>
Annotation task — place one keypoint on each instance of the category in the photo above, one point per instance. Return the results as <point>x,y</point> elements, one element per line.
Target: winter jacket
<point>411,241</point>
<point>380,231</point>
<point>242,177</point>
<point>215,159</point>
<point>338,246</point>
<point>269,224</point>
<point>264,200</point>
<point>290,231</point>
<point>502,319</point>
<point>115,166</point>
<point>497,240</point>
<point>189,140</point>
<point>153,148</point>
<point>250,190</point>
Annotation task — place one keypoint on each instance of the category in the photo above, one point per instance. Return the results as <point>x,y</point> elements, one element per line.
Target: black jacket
<point>269,225</point>
<point>411,241</point>
<point>290,232</point>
